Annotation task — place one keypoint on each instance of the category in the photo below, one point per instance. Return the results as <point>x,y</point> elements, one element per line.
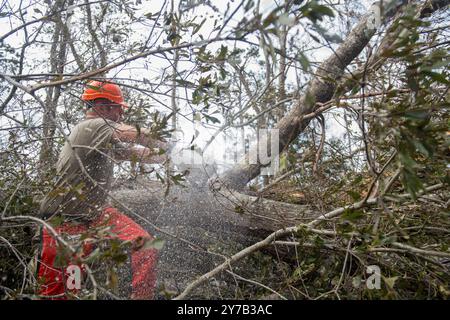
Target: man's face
<point>110,109</point>
<point>117,110</point>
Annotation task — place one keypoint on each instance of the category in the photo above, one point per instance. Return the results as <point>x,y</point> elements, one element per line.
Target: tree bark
<point>101,50</point>
<point>58,59</point>
<point>280,111</point>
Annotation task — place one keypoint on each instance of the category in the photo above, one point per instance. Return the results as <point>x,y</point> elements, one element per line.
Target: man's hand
<point>129,134</point>
<point>140,154</point>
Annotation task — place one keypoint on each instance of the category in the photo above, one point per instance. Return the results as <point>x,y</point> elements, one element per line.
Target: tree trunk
<point>281,110</point>
<point>173,98</point>
<point>92,30</point>
<point>58,59</point>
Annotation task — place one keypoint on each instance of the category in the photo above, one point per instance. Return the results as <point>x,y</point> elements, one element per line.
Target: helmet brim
<point>124,105</point>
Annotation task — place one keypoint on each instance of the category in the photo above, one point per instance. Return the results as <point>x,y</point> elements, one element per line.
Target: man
<point>84,174</point>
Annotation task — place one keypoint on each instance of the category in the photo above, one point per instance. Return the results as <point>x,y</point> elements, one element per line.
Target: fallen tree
<point>322,88</point>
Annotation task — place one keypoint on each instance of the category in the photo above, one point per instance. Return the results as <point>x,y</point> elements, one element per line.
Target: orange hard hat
<point>107,90</point>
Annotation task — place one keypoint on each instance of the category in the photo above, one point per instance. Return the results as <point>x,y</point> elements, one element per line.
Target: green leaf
<point>416,114</point>
<point>177,178</point>
<point>156,243</point>
<point>324,10</point>
<point>314,38</point>
<point>212,119</point>
<point>120,258</point>
<point>184,83</point>
<point>239,209</point>
<point>217,90</point>
<point>423,148</point>
<point>149,15</point>
<point>355,195</point>
<point>159,177</point>
<point>310,99</point>
<point>223,73</point>
<point>96,88</point>
<point>411,183</point>
<point>249,5</point>
<point>197,117</point>
<point>56,221</point>
<point>271,18</point>
<point>406,159</point>
<point>197,28</point>
<point>223,53</point>
<point>352,215</point>
<point>314,11</point>
<point>440,64</point>
<point>91,257</point>
<point>174,38</point>
<point>356,281</point>
<point>303,271</point>
<point>388,240</point>
<point>438,77</point>
<point>196,97</point>
<point>303,61</point>
<point>283,162</point>
<point>113,279</point>
<point>390,282</point>
<point>62,258</point>
<point>357,179</point>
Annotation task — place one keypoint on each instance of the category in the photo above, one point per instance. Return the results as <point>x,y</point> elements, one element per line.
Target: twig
<point>256,283</point>
<point>321,120</point>
<point>421,251</point>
